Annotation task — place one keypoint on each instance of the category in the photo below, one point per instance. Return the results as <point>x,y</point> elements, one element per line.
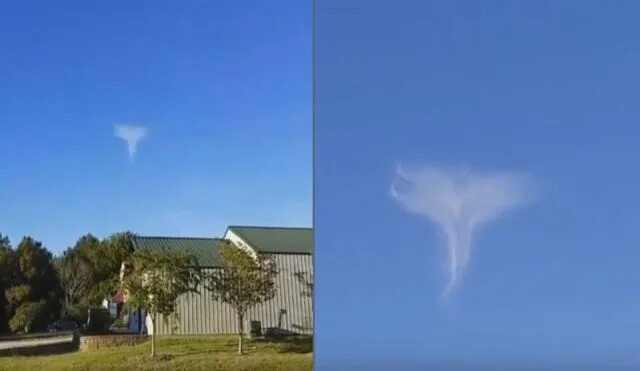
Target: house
<point>289,311</point>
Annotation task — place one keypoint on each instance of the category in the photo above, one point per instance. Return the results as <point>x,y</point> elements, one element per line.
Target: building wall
<point>238,241</point>
<point>199,314</point>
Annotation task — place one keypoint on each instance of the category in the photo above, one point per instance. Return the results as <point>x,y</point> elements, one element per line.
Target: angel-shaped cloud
<point>132,135</point>
<point>459,201</point>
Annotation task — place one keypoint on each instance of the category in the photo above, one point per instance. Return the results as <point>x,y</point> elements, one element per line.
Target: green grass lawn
<point>179,353</point>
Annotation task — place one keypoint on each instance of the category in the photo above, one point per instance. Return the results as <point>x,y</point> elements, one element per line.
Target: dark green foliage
<point>90,272</point>
<point>6,279</point>
<point>17,295</point>
<point>35,268</point>
<point>33,283</point>
<point>98,321</point>
<point>103,263</point>
<point>107,262</point>
<point>120,323</point>
<point>29,316</point>
<point>32,291</point>
<point>106,259</point>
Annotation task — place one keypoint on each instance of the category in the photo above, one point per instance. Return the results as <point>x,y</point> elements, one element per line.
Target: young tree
<point>155,280</point>
<point>243,282</point>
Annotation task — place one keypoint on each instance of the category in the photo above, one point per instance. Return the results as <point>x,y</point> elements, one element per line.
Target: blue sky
<point>223,88</point>
<point>545,88</point>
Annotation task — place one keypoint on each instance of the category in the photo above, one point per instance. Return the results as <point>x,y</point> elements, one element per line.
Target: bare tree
<point>76,275</point>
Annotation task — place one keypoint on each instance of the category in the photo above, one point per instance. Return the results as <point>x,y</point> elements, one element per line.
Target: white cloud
<point>459,201</point>
<point>131,135</point>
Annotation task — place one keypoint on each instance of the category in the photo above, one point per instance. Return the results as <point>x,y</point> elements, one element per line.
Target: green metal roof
<point>204,250</point>
<point>277,240</point>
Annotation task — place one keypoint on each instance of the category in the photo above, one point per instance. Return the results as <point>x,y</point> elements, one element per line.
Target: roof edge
<point>178,238</point>
<point>253,246</point>
<point>268,227</point>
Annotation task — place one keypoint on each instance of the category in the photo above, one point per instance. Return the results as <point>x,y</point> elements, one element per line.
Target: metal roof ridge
<point>177,238</point>
<point>266,227</point>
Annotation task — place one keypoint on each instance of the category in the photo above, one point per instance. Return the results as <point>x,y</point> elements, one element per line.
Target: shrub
<point>78,313</point>
<point>120,323</point>
<point>99,320</point>
<point>29,316</point>
<point>18,294</point>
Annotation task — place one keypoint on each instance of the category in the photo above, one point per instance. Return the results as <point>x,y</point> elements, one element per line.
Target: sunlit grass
<point>179,353</point>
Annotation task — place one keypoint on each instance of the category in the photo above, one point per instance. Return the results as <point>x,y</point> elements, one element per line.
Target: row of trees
<point>154,281</point>
<point>89,272</point>
<point>37,288</point>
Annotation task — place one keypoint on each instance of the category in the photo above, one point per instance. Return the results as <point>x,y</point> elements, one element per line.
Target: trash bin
<point>256,328</point>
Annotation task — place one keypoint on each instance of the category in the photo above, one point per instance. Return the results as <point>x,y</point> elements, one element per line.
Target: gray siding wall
<point>199,314</point>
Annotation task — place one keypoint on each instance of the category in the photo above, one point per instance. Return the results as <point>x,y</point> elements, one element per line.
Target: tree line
<point>154,281</point>
<point>37,287</point>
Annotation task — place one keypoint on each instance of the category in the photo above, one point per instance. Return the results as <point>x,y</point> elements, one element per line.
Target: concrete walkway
<point>23,343</point>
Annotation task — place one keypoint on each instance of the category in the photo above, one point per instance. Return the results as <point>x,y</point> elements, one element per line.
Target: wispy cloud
<point>459,200</point>
<point>131,135</point>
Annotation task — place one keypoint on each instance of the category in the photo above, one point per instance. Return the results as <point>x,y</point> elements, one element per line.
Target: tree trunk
<point>153,336</point>
<point>240,332</point>
<point>140,326</point>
